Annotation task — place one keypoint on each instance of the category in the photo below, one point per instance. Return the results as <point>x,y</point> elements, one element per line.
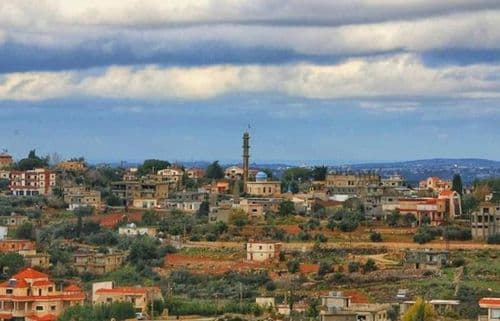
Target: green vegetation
<point>214,171</point>
<point>117,310</point>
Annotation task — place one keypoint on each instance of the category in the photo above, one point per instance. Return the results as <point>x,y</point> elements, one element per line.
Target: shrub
<point>353,267</point>
<point>320,238</point>
<point>270,286</point>
<point>369,266</point>
<point>293,266</point>
<point>423,236</point>
<point>376,237</point>
<point>494,239</point>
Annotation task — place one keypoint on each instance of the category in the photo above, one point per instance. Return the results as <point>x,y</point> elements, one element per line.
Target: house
<point>172,174</point>
<point>265,302</point>
<point>143,193</point>
<point>435,184</point>
<point>14,220</point>
<point>39,181</point>
<point>5,174</point>
<point>258,207</point>
<point>195,173</point>
<point>5,160</point>
<point>97,263</point>
<point>3,232</point>
<point>337,307</point>
<point>394,180</point>
<point>442,307</point>
<point>32,296</point>
<point>35,259</point>
<point>493,306</point>
<point>426,259</point>
<point>298,307</point>
<point>140,297</point>
<point>263,187</point>
<point>351,183</point>
<point>220,214</point>
<point>233,173</point>
<point>454,202</point>
<point>16,245</point>
<point>262,251</point>
<point>72,166</point>
<point>77,196</point>
<point>133,230</point>
<point>485,221</point>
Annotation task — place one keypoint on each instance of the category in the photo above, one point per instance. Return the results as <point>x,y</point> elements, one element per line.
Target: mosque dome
<point>261,177</point>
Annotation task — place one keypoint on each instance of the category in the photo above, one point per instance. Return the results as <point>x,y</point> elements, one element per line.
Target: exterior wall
<point>485,221</point>
<point>16,245</point>
<point>98,263</point>
<point>72,166</point>
<point>81,196</point>
<point>39,181</point>
<point>264,188</point>
<point>5,160</point>
<point>233,172</point>
<point>262,251</point>
<point>134,230</point>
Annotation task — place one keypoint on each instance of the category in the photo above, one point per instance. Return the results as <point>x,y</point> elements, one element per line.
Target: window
<point>50,289</point>
<point>52,308</point>
<point>39,308</point>
<point>9,291</point>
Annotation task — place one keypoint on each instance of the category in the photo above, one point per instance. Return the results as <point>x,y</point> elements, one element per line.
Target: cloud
<point>402,75</point>
<point>390,107</point>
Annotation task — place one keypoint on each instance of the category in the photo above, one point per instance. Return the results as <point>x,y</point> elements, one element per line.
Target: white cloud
<point>318,27</point>
<point>389,76</point>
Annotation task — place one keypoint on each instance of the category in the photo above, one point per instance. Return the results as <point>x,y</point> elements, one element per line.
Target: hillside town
<point>161,241</point>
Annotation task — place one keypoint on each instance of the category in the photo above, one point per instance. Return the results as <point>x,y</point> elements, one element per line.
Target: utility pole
<point>241,297</point>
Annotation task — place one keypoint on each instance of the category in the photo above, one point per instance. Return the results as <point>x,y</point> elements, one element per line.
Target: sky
<point>316,81</point>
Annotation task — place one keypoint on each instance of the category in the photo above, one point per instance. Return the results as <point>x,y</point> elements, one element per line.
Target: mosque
<point>262,186</point>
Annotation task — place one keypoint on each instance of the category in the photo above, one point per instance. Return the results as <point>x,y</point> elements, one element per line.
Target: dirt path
<point>388,245</point>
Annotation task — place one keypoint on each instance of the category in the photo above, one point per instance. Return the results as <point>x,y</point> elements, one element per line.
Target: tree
<point>457,185</point>
<point>423,236</point>
<point>393,218</point>
<point>214,171</point>
<point>25,231</point>
<point>348,224</point>
<point>324,268</point>
<point>369,266</point>
<point>286,207</point>
<point>319,173</point>
<point>204,209</point>
<point>151,166</point>
<point>11,262</point>
<point>470,204</point>
<point>353,267</point>
<point>32,162</point>
<point>150,218</point>
<point>376,237</point>
<point>293,266</point>
<point>420,311</point>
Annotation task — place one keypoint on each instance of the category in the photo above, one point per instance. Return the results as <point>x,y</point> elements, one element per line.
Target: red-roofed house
<point>31,295</point>
<point>493,306</point>
<point>140,297</point>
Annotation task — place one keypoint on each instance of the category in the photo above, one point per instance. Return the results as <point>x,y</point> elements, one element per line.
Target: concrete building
<point>262,251</point>
<point>98,263</point>
<point>140,297</point>
<point>72,166</point>
<point>426,259</point>
<point>3,232</point>
<point>393,181</point>
<point>31,296</point>
<point>11,245</point>
<point>195,173</point>
<point>258,207</point>
<point>133,230</point>
<point>144,193</point>
<point>14,220</point>
<point>337,307</point>
<point>485,221</point>
<point>435,184</point>
<point>262,187</point>
<point>39,181</point>
<point>351,183</point>
<point>493,306</point>
<point>35,259</point>
<point>265,302</point>
<point>77,196</point>
<point>172,174</point>
<point>441,307</point>
<point>5,160</point>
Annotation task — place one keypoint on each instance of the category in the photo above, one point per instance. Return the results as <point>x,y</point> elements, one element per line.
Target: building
<point>172,174</point>
<point>14,220</point>
<point>265,302</point>
<point>3,232</point>
<point>337,307</point>
<point>133,230</point>
<point>35,259</point>
<point>485,221</point>
<point>426,259</point>
<point>5,160</point>
<point>16,245</point>
<point>91,261</point>
<point>144,193</point>
<point>72,166</point>
<point>441,307</point>
<point>262,187</point>
<point>140,297</point>
<point>393,181</point>
<point>77,196</point>
<point>454,202</point>
<point>258,207</point>
<point>351,183</point>
<point>5,174</point>
<point>233,173</point>
<point>493,306</point>
<point>32,296</point>
<point>39,181</point>
<point>195,173</point>
<point>262,251</point>
<point>435,184</point>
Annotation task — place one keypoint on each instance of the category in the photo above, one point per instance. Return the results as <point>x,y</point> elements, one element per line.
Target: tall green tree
<point>319,173</point>
<point>150,166</point>
<point>457,185</point>
<point>214,171</point>
<point>31,162</point>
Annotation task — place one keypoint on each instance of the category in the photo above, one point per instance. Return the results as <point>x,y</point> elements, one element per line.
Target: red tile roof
<point>72,288</point>
<point>42,283</point>
<point>30,273</point>
<point>489,303</point>
<point>20,283</point>
<point>47,317</point>
<point>308,268</point>
<point>122,290</point>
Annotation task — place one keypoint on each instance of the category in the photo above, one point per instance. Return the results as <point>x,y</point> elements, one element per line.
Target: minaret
<point>246,158</point>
